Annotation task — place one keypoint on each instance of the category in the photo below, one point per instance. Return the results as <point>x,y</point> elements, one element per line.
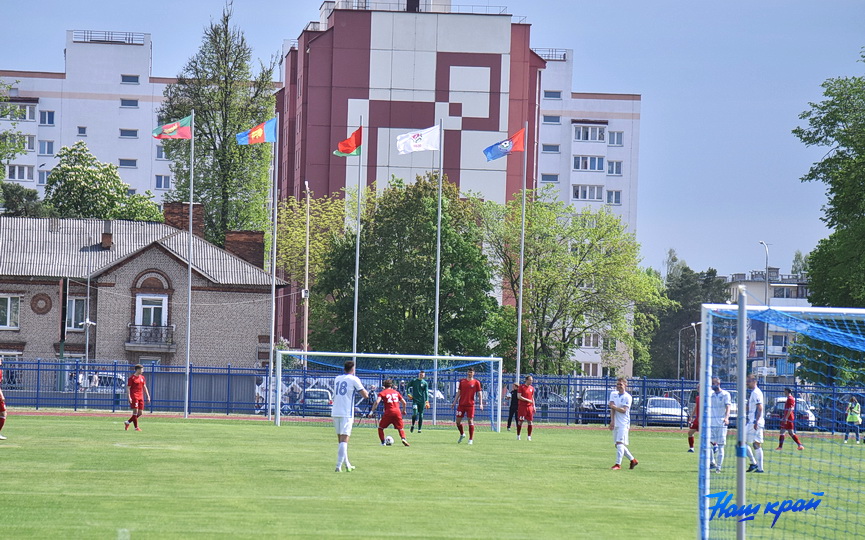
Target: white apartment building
<point>106,97</point>
<point>588,149</point>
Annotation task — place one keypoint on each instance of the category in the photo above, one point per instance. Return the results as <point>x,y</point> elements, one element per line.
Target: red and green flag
<point>350,146</point>
<point>182,129</point>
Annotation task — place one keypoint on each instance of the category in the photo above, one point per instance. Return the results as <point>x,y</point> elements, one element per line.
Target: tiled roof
<point>44,247</point>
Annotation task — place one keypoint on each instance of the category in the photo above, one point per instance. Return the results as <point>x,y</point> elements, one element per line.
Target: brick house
<point>136,309</point>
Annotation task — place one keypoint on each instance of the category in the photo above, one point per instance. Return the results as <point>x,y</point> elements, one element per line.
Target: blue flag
<point>513,143</point>
<point>265,132</point>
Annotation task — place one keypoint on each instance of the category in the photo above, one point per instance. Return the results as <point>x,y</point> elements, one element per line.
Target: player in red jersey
<point>788,421</point>
<point>136,390</point>
<point>694,423</point>
<point>2,404</point>
<point>392,414</point>
<point>526,410</point>
<point>468,388</point>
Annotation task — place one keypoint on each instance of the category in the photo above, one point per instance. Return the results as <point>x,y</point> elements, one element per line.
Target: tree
<point>11,140</point>
<point>231,181</point>
<point>80,186</point>
<point>800,264</point>
<point>580,277</point>
<point>21,201</point>
<point>838,124</point>
<point>397,289</point>
<point>327,222</point>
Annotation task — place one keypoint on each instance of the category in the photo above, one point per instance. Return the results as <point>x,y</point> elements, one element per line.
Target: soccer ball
<point>388,441</point>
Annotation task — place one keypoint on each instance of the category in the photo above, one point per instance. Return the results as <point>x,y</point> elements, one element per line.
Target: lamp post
<point>679,354</point>
<point>766,324</point>
<point>694,326</point>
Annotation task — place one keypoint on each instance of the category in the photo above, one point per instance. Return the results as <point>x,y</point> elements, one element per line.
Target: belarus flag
<point>265,132</point>
<point>182,129</point>
<point>350,146</point>
<point>513,143</point>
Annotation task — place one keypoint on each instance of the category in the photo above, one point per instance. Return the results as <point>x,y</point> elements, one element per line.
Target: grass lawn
<point>85,477</point>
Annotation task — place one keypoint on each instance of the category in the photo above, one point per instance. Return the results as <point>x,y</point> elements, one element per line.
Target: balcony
<point>157,339</point>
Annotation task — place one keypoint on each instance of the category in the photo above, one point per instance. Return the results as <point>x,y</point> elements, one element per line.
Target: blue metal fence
<point>307,393</point>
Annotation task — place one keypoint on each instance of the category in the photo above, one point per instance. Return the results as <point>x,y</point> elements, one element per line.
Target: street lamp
<point>766,324</point>
<point>679,354</point>
<point>694,326</point>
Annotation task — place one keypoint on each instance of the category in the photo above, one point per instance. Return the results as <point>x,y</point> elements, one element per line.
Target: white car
<point>664,410</point>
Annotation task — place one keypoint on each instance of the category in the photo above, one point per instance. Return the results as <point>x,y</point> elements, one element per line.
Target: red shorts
<point>137,403</point>
<point>391,419</point>
<point>695,425</point>
<point>466,410</point>
<point>526,413</point>
<point>788,425</point>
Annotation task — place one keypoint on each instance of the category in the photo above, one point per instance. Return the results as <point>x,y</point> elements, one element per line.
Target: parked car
<point>663,410</point>
<point>314,402</point>
<point>103,382</point>
<point>805,417</point>
<point>593,405</point>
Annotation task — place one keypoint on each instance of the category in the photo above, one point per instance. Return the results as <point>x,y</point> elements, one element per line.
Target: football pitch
<point>85,477</point>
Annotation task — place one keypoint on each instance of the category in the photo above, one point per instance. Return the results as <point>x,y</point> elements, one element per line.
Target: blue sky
<point>722,86</point>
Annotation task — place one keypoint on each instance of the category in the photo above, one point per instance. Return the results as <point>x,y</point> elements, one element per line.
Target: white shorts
<point>718,435</point>
<point>754,435</point>
<point>620,434</point>
<point>343,424</point>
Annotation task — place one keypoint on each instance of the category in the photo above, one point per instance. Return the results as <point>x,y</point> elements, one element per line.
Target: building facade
<point>588,154</point>
<point>106,96</point>
<point>396,68</point>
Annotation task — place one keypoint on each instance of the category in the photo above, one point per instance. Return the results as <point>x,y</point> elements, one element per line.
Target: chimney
<point>248,245</point>
<point>177,215</point>
<point>107,237</point>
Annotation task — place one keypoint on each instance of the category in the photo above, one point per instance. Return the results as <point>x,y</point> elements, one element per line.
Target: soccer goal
<point>811,488</point>
<point>307,382</point>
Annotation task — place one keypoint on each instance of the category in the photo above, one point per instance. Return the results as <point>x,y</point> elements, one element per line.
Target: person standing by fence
<point>136,390</point>
<point>2,404</point>
<point>854,418</point>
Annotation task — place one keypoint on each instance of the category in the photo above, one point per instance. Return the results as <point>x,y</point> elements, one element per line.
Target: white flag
<point>416,141</point>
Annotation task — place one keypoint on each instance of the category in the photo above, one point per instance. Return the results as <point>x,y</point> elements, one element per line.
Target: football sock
<point>620,450</point>
<point>460,427</point>
<point>720,457</point>
<point>796,439</point>
<point>2,422</point>
<point>341,454</point>
<point>530,430</point>
<point>420,423</point>
<point>759,453</point>
<point>751,455</point>
<point>519,428</point>
<point>471,431</point>
<point>781,441</point>
<point>691,441</point>
<point>135,420</point>
<point>402,434</point>
<point>627,452</point>
<point>381,434</point>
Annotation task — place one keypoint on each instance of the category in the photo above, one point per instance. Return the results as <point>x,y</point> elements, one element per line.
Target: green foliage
<point>826,363</point>
<point>838,124</point>
<point>581,276</point>
<point>397,288</point>
<point>800,264</point>
<point>327,221</point>
<point>80,186</point>
<point>11,140</point>
<point>231,181</point>
<point>647,322</point>
<point>686,291</point>
<point>20,201</point>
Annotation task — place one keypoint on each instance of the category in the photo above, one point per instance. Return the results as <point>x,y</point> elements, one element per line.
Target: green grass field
<point>85,477</point>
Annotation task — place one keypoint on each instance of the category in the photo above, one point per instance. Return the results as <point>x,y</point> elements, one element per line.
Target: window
<point>550,148</point>
<point>589,163</point>
<point>614,168</point>
<point>43,177</point>
<point>30,142</point>
<point>589,133</point>
<point>615,138</point>
<point>76,313</point>
<point>130,192</point>
<point>127,162</point>
<point>609,344</point>
<point>588,193</point>
<point>783,292</point>
<point>129,133</point>
<point>551,119</point>
<point>160,152</point>
<point>46,118</point>
<point>129,103</point>
<point>129,79</point>
<point>589,340</point>
<point>549,178</point>
<point>46,148</point>
<point>779,340</point>
<point>163,181</point>
<point>614,197</point>
<point>82,131</point>
<point>552,94</point>
<point>151,310</point>
<point>18,112</point>
<point>20,172</point>
<point>9,306</point>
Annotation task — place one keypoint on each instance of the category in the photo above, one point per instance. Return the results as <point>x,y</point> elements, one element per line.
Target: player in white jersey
<point>719,407</point>
<point>754,427</point>
<point>620,422</point>
<point>342,412</point>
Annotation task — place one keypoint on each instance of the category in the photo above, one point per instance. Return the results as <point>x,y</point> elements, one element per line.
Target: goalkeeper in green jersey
<point>418,392</point>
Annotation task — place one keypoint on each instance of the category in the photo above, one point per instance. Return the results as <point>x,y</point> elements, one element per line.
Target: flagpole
<point>189,266</point>
<point>438,270</point>
<point>522,262</point>
<point>357,244</point>
<point>274,204</point>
